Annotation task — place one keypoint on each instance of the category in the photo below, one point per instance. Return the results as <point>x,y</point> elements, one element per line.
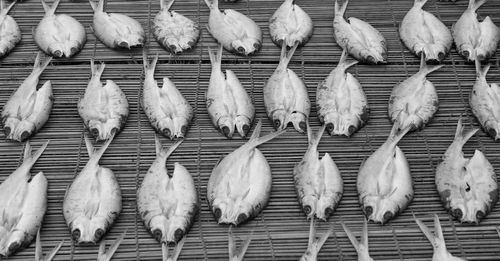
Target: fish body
<point>235,31</point>
<point>318,182</point>
<point>59,35</point>
<point>437,241</point>
<point>240,185</point>
<point>361,247</point>
<point>173,31</point>
<point>423,33</point>
<point>414,101</point>
<point>290,24</point>
<point>228,104</point>
<point>485,102</point>
<point>285,96</point>
<point>167,203</point>
<point>166,108</point>
<point>341,102</point>
<point>359,38</point>
<point>28,109</point>
<point>384,182</point>
<point>103,108</point>
<point>10,34</point>
<point>314,244</point>
<point>474,39</point>
<point>93,201</point>
<point>116,30</point>
<point>23,203</point>
<point>468,187</point>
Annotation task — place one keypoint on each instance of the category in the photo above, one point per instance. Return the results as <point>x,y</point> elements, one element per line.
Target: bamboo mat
<point>281,230</point>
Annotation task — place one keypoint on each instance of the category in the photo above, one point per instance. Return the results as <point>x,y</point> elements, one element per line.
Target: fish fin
<point>164,252</point>
<point>397,134</point>
<point>473,5</point>
<point>460,135</point>
<point>32,158</point>
<point>322,240</point>
<point>212,5</point>
<point>314,140</point>
<point>27,150</point>
<point>438,231</point>
<point>5,10</point>
<point>96,156</point>
<point>166,4</point>
<point>231,246</point>
<point>235,253</point>
<point>498,231</point>
<point>419,3</point>
<point>38,247</point>
<point>149,67</point>
<point>39,66</point>
<point>50,10</point>
<point>96,70</point>
<point>364,236</point>
<point>158,145</point>
<point>351,236</point>
<point>427,232</point>
<point>255,140</point>
<point>340,10</point>
<point>343,60</point>
<point>178,249</point>
<point>312,233</point>
<point>53,252</point>
<point>107,255</point>
<point>99,7</point>
<point>88,145</point>
<point>256,131</point>
<point>286,57</point>
<point>481,72</point>
<point>172,148</point>
<point>427,69</point>
<point>215,55</point>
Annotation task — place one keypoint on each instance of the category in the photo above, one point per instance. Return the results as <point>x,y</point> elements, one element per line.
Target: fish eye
<point>241,218</point>
<point>157,234</point>
<point>178,234</point>
<point>99,233</point>
<point>76,234</point>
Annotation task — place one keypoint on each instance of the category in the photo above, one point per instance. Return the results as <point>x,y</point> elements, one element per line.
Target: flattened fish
<point>93,201</point>
<point>285,96</point>
<point>314,245</point>
<point>359,38</point>
<point>485,102</point>
<point>290,24</point>
<point>437,241</point>
<point>116,30</point>
<point>341,102</point>
<point>475,40</point>
<point>468,187</point>
<point>240,185</point>
<point>423,33</point>
<point>10,34</point>
<point>384,182</point>
<point>414,102</point>
<point>103,108</point>
<point>23,203</point>
<point>166,108</point>
<point>28,109</point>
<point>59,35</point>
<point>361,247</point>
<point>173,31</point>
<point>236,254</point>
<point>228,104</point>
<point>167,203</point>
<point>235,31</point>
<point>318,182</point>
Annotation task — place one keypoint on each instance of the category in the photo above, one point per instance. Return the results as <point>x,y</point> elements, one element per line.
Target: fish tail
<point>149,67</point>
<point>215,56</point>
<point>351,236</point>
<point>30,158</point>
<point>314,140</point>
<point>255,140</point>
<point>166,4</point>
<point>99,7</point>
<point>340,10</point>
<point>97,70</point>
<point>397,134</point>
<point>96,156</point>
<point>427,69</point>
<point>419,3</point>
<point>39,252</point>
<point>4,10</point>
<point>427,232</point>
<point>39,65</point>
<point>234,253</point>
<point>178,249</point>
<point>286,57</point>
<point>166,152</point>
<point>481,73</point>
<point>104,255</point>
<point>50,10</point>
<point>461,136</point>
<point>343,60</point>
<point>473,5</point>
<point>212,5</point>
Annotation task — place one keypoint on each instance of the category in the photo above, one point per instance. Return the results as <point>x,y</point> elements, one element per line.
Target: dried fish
<point>341,102</point>
<point>10,34</point>
<point>468,187</point>
<point>314,245</point>
<point>23,203</point>
<point>361,247</point>
<point>228,104</point>
<point>384,182</point>
<point>166,108</point>
<point>423,33</point>
<point>103,108</point>
<point>414,102</point>
<point>285,96</point>
<point>93,201</point>
<point>437,241</point>
<point>59,35</point>
<point>318,183</point>
<point>290,24</point>
<point>28,109</point>
<point>235,31</point>
<point>240,185</point>
<point>116,30</point>
<point>359,38</point>
<point>167,203</point>
<point>173,31</point>
<point>475,40</point>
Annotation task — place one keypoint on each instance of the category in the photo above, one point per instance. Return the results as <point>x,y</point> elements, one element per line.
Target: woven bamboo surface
<point>281,230</point>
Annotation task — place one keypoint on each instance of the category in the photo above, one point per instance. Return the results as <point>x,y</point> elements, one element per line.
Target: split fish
<point>318,182</point>
<point>468,187</point>
<point>384,182</point>
<point>361,247</point>
<point>166,108</point>
<point>228,104</point>
<point>240,185</point>
<point>10,34</point>
<point>359,38</point>
<point>314,245</point>
<point>285,96</point>
<point>290,24</point>
<point>93,201</point>
<point>341,102</point>
<point>425,34</point>
<point>23,203</point>
<point>103,108</point>
<point>235,31</point>
<point>173,31</point>
<point>59,35</point>
<point>28,109</point>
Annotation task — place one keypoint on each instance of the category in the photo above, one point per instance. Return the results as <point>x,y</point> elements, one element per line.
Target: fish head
<point>57,50</point>
<point>14,241</point>
<point>279,119</point>
<point>247,46</point>
<point>337,125</point>
<point>299,121</point>
<point>309,204</point>
<point>493,129</point>
<point>19,130</point>
<point>169,231</point>
<point>226,126</point>
<point>243,125</point>
<point>72,48</point>
<point>181,126</point>
<point>166,127</point>
<point>102,131</point>
<point>378,209</point>
<point>231,211</point>
<point>88,231</point>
